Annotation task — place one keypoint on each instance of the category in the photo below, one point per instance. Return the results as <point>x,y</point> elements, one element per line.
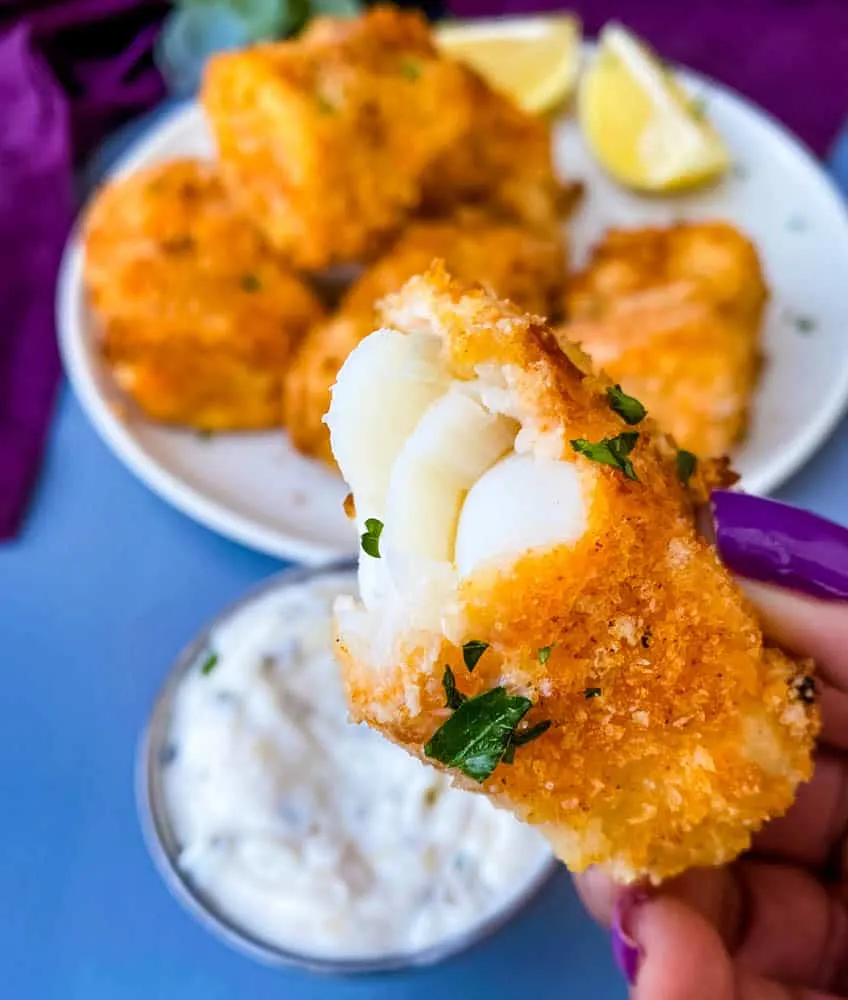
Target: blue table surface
<point>97,596</point>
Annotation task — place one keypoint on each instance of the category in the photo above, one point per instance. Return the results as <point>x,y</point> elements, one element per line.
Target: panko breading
<point>324,140</point>
<point>674,315</point>
<point>660,729</point>
<point>503,162</point>
<point>199,318</point>
<point>518,264</point>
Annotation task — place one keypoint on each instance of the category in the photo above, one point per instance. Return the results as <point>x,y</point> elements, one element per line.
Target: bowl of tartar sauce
<point>300,837</point>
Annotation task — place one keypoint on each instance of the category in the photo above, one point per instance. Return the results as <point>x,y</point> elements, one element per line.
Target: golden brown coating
<point>676,729</point>
<point>516,263</point>
<point>674,315</point>
<point>502,162</point>
<point>324,140</point>
<point>199,318</point>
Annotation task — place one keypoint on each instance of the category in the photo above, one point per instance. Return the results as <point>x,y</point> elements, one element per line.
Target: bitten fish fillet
<point>538,612</point>
<point>199,317</point>
<point>674,315</point>
<point>519,264</point>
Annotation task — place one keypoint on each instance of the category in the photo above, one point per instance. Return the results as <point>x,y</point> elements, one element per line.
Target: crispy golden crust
<point>324,140</point>
<point>674,315</point>
<point>516,263</point>
<point>502,162</point>
<point>697,734</point>
<point>199,318</point>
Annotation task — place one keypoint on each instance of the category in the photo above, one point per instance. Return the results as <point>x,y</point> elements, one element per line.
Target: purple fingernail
<point>775,543</point>
<point>625,951</point>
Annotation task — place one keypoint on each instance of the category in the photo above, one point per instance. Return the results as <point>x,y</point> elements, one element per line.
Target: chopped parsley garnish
<point>370,538</point>
<point>544,654</point>
<point>209,664</point>
<point>205,434</point>
<point>805,324</point>
<point>410,69</point>
<point>453,698</point>
<point>591,693</point>
<point>686,464</point>
<point>478,734</point>
<point>629,409</point>
<point>610,451</point>
<point>472,651</point>
<point>250,283</point>
<point>519,739</point>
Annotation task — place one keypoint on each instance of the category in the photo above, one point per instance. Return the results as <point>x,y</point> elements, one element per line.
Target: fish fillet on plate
<point>674,315</point>
<point>525,266</point>
<point>198,317</point>
<point>332,141</point>
<point>538,612</point>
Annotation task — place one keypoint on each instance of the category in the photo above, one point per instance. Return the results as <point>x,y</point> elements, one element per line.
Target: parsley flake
<point>370,538</point>
<point>205,434</point>
<point>610,451</point>
<point>453,698</point>
<point>527,736</point>
<point>544,654</point>
<point>686,464</point>
<point>479,733</point>
<point>250,283</point>
<point>410,69</point>
<point>472,651</point>
<point>805,324</point>
<point>591,693</point>
<point>629,409</point>
<point>209,664</point>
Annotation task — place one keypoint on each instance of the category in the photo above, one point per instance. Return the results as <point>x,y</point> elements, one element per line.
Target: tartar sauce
<point>313,834</point>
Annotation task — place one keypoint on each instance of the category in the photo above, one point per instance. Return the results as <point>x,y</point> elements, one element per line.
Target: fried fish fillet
<point>538,612</point>
<point>674,315</point>
<point>325,139</point>
<point>332,141</point>
<point>521,265</point>
<point>199,318</point>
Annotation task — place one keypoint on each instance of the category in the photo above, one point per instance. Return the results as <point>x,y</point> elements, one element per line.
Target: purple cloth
<point>69,72</point>
<point>790,56</point>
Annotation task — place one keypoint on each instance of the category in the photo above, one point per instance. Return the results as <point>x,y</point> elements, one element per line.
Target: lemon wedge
<point>639,122</point>
<point>535,60</point>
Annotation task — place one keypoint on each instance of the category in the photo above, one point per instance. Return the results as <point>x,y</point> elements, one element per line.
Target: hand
<point>773,925</point>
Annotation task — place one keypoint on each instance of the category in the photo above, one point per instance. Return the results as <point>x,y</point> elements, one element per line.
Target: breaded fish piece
<point>538,612</point>
<point>503,162</point>
<point>674,315</point>
<point>199,318</point>
<point>519,264</point>
<point>325,139</point>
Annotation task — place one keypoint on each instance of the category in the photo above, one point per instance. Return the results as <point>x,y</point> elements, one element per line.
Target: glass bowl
<point>164,847</point>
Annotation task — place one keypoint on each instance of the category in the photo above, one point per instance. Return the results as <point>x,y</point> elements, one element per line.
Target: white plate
<point>255,489</point>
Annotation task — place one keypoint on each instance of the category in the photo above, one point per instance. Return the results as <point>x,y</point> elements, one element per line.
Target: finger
<point>817,820</point>
<point>806,626</point>
<point>833,703</point>
<point>682,957</point>
<point>598,893</point>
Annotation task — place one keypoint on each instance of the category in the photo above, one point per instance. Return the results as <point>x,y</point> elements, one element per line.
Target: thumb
<point>668,951</point>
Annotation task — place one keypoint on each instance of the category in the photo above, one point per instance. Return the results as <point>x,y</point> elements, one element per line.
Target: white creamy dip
<point>311,833</point>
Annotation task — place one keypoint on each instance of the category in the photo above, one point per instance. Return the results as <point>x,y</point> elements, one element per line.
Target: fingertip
<point>681,955</point>
<point>598,893</point>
